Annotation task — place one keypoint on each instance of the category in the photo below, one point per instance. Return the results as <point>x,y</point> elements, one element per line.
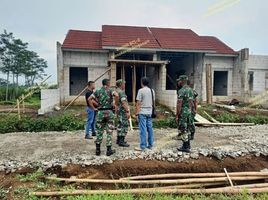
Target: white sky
<point>42,23</point>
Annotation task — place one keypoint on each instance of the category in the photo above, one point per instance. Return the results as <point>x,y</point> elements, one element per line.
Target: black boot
<point>185,147</point>
<point>192,136</point>
<point>109,151</point>
<point>122,142</point>
<point>117,140</point>
<point>98,151</point>
<point>93,133</point>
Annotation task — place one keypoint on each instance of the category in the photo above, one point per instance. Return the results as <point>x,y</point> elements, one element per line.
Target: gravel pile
<point>46,150</point>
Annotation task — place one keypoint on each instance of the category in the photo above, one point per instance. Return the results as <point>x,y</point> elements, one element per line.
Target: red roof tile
<point>117,36</point>
<point>77,39</point>
<point>218,45</point>
<point>184,39</point>
<point>165,38</point>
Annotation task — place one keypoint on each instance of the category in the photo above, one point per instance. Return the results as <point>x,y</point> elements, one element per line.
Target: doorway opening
<point>78,79</point>
<point>220,83</point>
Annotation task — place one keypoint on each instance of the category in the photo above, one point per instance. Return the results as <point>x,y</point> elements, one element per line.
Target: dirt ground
<point>31,147</point>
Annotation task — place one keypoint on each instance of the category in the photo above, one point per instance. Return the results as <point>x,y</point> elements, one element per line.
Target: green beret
<point>119,82</point>
<point>182,78</point>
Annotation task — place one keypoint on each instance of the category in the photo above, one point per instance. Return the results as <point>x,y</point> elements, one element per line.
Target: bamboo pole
<point>32,91</point>
<point>223,190</point>
<point>18,107</point>
<point>69,104</point>
<point>23,104</point>
<point>168,182</point>
<point>224,124</point>
<point>190,175</point>
<point>212,119</point>
<point>229,179</point>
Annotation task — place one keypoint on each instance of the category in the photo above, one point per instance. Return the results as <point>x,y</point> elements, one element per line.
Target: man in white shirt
<point>144,108</point>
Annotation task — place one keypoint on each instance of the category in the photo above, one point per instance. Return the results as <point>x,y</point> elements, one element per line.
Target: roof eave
<point>118,48</point>
<point>84,50</point>
<point>221,54</point>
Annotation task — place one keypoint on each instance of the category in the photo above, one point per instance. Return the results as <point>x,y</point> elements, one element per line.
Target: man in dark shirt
<point>91,114</point>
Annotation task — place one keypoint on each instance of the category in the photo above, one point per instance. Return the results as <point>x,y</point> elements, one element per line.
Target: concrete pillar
<point>244,55</point>
<point>60,73</point>
<point>163,76</point>
<point>113,70</point>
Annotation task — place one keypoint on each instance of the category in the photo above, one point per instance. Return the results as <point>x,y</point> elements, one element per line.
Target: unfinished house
<point>217,72</point>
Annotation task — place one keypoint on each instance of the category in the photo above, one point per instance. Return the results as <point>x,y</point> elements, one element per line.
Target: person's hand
<point>137,118</point>
<point>177,118</point>
<point>115,108</point>
<point>128,115</point>
<point>95,109</point>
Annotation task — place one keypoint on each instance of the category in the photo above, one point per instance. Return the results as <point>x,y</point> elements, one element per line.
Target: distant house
<point>217,72</point>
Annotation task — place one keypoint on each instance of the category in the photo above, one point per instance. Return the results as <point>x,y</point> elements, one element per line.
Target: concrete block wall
<point>80,59</point>
<point>258,64</point>
<point>96,64</point>
<point>163,96</point>
<point>167,98</point>
<point>49,99</point>
<point>219,63</point>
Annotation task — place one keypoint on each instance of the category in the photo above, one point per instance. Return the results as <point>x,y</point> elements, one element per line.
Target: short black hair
<point>90,82</point>
<point>105,81</point>
<point>145,81</point>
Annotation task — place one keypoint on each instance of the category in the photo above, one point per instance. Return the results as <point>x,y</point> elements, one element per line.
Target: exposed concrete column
<point>163,76</point>
<point>113,70</point>
<point>60,73</point>
<point>244,55</point>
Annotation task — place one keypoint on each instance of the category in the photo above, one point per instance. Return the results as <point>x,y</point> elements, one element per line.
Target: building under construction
<point>217,72</point>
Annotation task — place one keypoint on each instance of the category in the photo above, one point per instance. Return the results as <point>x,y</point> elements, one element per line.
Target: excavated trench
<point>125,168</point>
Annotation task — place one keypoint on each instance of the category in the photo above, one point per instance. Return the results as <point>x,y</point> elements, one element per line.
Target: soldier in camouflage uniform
<point>185,105</point>
<point>194,110</point>
<point>105,117</point>
<point>123,114</point>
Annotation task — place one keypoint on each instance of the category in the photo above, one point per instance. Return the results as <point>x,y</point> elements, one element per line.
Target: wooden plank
<point>159,62</point>
<point>224,124</point>
<point>209,83</point>
<point>201,119</point>
<point>211,118</point>
<point>113,74</point>
<point>229,179</point>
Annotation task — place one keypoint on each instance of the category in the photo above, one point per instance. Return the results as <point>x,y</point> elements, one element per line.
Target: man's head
<point>106,82</point>
<point>182,80</point>
<point>121,84</point>
<point>144,81</point>
<point>91,85</point>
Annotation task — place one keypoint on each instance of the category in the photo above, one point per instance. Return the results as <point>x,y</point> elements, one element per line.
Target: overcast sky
<point>239,24</point>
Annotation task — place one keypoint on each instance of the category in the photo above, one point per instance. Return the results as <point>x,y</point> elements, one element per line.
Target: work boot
<point>192,136</point>
<point>122,142</point>
<point>98,150</point>
<point>185,147</point>
<point>117,140</point>
<point>109,151</point>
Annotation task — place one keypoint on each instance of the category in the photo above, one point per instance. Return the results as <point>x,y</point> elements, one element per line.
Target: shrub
<point>65,122</point>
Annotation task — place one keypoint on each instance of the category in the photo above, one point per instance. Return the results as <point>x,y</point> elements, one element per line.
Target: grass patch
<point>64,122</point>
<point>243,196</point>
<point>30,176</point>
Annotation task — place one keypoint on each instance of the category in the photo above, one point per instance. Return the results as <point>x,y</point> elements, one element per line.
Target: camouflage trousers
<point>192,126</point>
<point>122,126</point>
<point>184,127</point>
<point>105,122</point>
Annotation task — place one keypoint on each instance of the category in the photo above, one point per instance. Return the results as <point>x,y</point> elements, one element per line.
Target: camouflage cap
<point>119,82</point>
<point>183,78</point>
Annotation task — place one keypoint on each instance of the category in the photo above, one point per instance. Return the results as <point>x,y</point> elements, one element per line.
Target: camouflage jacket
<point>186,94</point>
<point>104,97</point>
<point>122,98</point>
